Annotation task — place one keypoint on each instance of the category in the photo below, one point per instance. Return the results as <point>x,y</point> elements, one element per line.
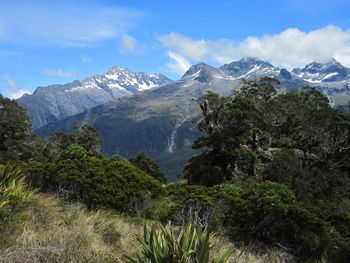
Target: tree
<point>234,131</point>
<point>145,164</point>
<point>16,138</point>
<point>242,134</point>
<point>87,137</point>
<point>84,136</point>
<point>264,88</point>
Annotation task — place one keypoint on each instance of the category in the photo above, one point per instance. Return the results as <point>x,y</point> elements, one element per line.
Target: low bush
<point>97,182</point>
<point>264,212</point>
<point>147,165</point>
<point>196,205</point>
<point>268,212</point>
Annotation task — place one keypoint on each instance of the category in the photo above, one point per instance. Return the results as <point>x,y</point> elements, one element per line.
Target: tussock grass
<point>49,230</point>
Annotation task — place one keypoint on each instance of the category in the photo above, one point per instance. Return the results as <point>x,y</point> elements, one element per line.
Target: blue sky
<point>46,42</point>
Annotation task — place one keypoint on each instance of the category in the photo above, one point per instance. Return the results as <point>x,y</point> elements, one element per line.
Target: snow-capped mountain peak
<point>60,101</point>
<point>249,68</point>
<point>201,72</point>
<point>317,72</point>
<point>116,69</point>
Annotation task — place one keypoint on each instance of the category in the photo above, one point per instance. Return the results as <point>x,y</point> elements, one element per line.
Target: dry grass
<point>51,231</point>
<point>246,255</point>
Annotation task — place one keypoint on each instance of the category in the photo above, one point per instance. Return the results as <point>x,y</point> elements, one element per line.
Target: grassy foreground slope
<point>48,229</point>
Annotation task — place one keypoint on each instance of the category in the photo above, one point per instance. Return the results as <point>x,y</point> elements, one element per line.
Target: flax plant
<point>191,245</point>
<point>13,189</point>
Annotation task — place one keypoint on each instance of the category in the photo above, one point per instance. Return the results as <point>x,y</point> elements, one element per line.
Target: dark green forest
<point>273,171</point>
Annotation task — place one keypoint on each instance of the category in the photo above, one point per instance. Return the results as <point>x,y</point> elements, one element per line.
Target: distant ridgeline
<point>56,102</point>
<point>159,121</point>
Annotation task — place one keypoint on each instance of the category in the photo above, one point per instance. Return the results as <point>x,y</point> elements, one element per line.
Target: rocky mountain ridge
<point>56,102</point>
<point>328,72</point>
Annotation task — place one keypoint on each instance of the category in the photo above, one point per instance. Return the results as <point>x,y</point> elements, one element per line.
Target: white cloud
<point>13,90</point>
<point>295,48</point>
<point>58,73</point>
<point>290,48</point>
<point>192,49</point>
<point>127,44</point>
<point>17,94</point>
<point>63,23</point>
<point>178,63</point>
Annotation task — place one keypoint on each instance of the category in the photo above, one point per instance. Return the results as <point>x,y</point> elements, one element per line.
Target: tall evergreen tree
<point>242,136</point>
<point>16,139</point>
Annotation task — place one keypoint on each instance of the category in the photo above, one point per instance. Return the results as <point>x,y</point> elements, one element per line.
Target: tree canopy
<point>15,132</point>
<point>258,131</point>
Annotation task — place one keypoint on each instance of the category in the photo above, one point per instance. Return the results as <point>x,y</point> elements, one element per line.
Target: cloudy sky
<point>46,42</point>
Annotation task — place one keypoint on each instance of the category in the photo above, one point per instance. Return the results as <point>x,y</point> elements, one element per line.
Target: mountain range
<point>56,102</point>
<point>159,121</point>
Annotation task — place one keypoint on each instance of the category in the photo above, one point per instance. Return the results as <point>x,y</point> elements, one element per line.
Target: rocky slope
<point>56,102</point>
<point>159,121</point>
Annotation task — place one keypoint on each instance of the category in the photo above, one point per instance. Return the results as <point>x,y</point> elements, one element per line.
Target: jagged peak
<point>246,62</point>
<point>116,69</point>
<point>334,61</point>
<point>317,72</point>
<point>318,65</point>
<point>198,68</point>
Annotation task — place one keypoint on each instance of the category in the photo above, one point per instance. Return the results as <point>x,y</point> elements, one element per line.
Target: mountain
<point>318,73</point>
<point>159,121</point>
<point>56,102</point>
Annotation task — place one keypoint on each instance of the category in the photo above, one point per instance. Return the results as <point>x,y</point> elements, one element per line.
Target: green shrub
<point>73,152</point>
<point>198,205</point>
<point>97,182</point>
<point>191,193</point>
<point>158,209</point>
<point>164,246</point>
<point>147,165</point>
<point>255,209</point>
<point>268,212</point>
